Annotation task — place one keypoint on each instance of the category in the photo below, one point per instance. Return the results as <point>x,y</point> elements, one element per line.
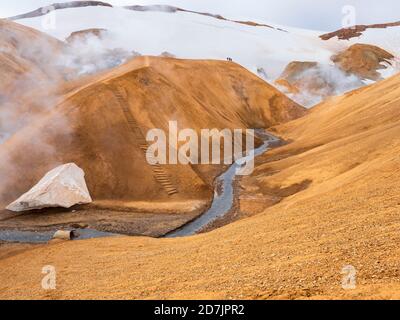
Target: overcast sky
<point>310,14</point>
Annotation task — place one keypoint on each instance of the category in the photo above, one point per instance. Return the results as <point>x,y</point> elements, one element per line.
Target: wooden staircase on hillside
<point>158,172</point>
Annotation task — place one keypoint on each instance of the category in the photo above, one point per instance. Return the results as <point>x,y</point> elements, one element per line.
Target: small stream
<point>223,200</point>
<point>37,237</point>
<point>221,205</point>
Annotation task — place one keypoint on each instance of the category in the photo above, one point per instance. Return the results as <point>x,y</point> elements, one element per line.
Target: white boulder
<point>64,187</point>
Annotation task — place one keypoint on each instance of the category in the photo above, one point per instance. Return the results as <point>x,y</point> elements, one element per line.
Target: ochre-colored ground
<point>347,149</point>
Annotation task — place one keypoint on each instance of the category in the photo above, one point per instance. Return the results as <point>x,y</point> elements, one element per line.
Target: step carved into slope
<point>158,172</point>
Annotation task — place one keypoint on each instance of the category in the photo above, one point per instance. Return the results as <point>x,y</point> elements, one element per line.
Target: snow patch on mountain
<point>193,36</point>
<point>261,47</point>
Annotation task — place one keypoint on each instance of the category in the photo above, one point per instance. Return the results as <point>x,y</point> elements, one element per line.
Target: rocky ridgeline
<point>356,31</point>
<point>57,6</point>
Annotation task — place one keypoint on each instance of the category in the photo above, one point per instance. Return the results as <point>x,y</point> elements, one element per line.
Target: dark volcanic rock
<point>58,6</point>
<point>356,31</point>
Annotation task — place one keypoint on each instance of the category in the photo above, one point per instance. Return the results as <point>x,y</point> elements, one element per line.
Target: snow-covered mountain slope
<point>192,35</point>
<point>108,35</point>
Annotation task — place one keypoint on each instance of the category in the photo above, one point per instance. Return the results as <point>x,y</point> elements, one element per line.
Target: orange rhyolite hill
<point>347,214</point>
<point>25,54</point>
<point>100,125</point>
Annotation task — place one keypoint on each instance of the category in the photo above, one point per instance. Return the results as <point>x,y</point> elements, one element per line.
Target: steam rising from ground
<point>37,70</point>
<point>315,84</point>
<point>25,69</point>
<point>89,53</point>
<point>32,72</point>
